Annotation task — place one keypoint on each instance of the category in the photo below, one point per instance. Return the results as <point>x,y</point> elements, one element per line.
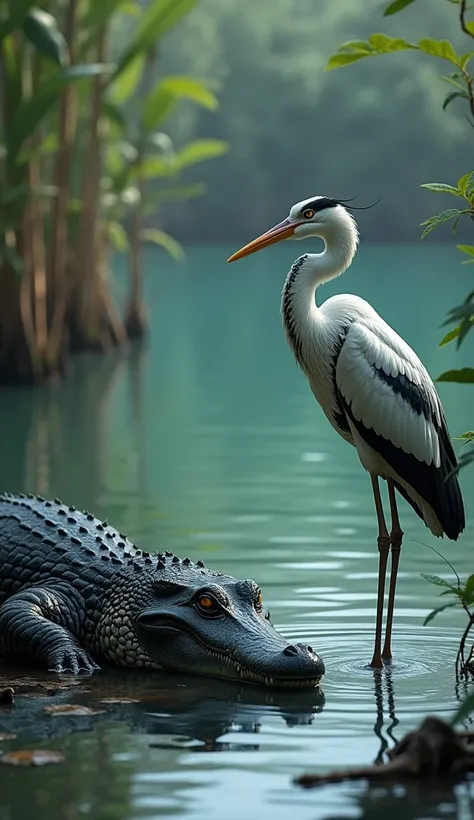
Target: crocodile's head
<point>194,620</point>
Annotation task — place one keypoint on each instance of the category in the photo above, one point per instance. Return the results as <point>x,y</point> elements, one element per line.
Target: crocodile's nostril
<point>290,650</point>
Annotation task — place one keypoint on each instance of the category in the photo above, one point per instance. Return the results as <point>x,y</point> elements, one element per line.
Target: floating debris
<point>32,757</point>
<point>72,710</point>
<point>434,750</point>
<point>6,736</point>
<point>7,696</point>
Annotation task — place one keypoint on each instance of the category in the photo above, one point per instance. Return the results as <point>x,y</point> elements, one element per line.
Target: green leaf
<point>439,48</point>
<point>159,17</point>
<point>342,59</point>
<point>469,249</point>
<point>200,150</point>
<point>164,240</point>
<point>14,19</point>
<point>385,45</point>
<point>453,334</point>
<point>437,611</point>
<point>42,31</point>
<point>125,83</point>
<point>162,98</point>
<point>463,376</point>
<point>396,6</point>
<point>453,96</point>
<point>154,167</point>
<point>113,113</point>
<point>444,216</point>
<point>469,436</point>
<point>440,188</point>
<point>470,28</point>
<point>30,112</point>
<point>464,710</point>
<point>468,592</point>
<point>118,236</point>
<point>437,581</point>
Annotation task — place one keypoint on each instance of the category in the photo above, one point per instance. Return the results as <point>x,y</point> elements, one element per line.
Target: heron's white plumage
<point>378,405</point>
<point>370,384</point>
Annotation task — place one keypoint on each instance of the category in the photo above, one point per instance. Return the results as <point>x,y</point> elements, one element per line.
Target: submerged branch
<point>434,750</point>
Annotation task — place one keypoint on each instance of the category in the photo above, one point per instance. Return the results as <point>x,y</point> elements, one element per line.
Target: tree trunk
<point>135,313</point>
<point>93,325</point>
<point>58,269</point>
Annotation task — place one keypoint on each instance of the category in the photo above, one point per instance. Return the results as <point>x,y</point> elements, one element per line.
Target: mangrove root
<point>434,750</point>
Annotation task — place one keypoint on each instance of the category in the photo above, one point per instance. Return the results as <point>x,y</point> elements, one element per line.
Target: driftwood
<point>434,750</point>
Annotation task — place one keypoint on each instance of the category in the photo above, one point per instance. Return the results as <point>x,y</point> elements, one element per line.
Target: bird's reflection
<point>193,712</point>
<point>383,684</point>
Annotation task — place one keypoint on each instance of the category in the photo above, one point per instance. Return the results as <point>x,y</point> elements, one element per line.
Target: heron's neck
<point>298,305</point>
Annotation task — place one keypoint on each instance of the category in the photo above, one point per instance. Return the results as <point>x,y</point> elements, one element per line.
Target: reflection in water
<point>411,801</point>
<point>383,679</point>
<point>195,708</point>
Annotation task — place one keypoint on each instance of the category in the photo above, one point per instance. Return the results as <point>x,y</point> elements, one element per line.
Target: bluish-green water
<point>209,442</point>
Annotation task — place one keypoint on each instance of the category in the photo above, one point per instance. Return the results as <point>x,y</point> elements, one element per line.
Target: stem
<point>460,662</point>
<point>466,77</point>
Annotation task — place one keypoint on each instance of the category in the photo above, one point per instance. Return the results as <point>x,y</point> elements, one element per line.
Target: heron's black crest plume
<point>323,202</point>
<point>355,207</point>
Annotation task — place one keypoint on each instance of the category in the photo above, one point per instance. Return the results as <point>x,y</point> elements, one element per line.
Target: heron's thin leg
<point>396,537</point>
<point>383,543</point>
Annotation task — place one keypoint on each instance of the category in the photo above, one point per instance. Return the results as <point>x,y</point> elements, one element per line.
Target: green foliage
<point>378,44</point>
<point>162,99</point>
<point>42,31</point>
<point>462,595</point>
<point>397,5</point>
<point>160,16</point>
<point>163,240</point>
<point>16,14</point>
<point>463,376</point>
<point>32,111</point>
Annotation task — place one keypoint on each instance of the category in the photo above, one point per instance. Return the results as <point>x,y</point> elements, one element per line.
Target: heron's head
<point>318,216</point>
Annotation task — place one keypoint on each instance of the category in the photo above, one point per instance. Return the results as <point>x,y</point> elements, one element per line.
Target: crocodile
<point>75,593</point>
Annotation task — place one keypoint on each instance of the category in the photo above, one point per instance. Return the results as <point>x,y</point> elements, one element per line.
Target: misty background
<point>373,129</point>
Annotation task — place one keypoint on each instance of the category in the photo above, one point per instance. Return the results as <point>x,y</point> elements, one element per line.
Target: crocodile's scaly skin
<point>68,570</point>
<point>74,592</point>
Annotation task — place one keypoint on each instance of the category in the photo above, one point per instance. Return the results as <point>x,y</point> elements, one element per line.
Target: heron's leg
<point>396,537</point>
<point>383,543</point>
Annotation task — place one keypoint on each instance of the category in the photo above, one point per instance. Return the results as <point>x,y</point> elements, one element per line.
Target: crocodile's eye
<point>258,602</point>
<point>208,606</point>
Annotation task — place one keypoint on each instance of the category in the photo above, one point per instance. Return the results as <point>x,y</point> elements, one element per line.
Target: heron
<point>371,386</point>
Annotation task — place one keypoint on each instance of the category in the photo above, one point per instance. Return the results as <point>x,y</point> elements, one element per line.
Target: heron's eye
<point>258,602</point>
<point>208,606</point>
<point>308,213</point>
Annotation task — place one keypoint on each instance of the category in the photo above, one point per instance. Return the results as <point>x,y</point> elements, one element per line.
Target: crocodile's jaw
<point>261,656</point>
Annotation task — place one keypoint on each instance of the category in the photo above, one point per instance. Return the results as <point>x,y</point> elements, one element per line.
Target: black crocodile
<point>74,592</point>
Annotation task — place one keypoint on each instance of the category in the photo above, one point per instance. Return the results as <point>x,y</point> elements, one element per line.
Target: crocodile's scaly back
<point>71,584</point>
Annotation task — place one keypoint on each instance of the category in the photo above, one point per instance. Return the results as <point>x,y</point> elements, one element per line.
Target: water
<point>208,441</point>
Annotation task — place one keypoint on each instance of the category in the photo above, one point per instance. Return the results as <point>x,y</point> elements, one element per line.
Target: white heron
<point>371,385</point>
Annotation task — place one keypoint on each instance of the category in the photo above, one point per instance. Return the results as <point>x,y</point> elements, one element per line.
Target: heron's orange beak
<point>283,230</point>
